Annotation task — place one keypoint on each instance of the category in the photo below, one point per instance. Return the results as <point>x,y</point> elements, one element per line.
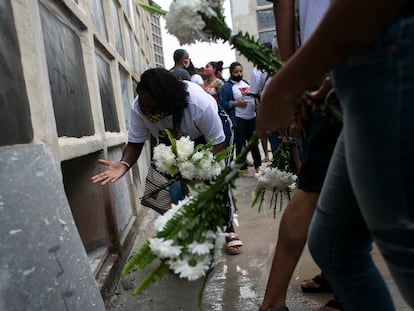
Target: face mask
<point>236,78</point>
<point>156,117</point>
<point>207,72</point>
<point>186,63</point>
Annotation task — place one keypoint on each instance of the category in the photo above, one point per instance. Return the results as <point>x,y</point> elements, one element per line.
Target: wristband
<point>125,163</point>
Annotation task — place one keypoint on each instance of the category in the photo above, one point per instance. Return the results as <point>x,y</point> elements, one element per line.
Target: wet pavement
<point>238,282</point>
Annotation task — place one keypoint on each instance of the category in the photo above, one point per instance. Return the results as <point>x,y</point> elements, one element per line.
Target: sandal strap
<point>234,243</point>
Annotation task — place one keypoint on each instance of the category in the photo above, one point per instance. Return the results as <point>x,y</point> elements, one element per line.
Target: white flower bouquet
<point>189,162</point>
<point>276,178</point>
<point>188,237</point>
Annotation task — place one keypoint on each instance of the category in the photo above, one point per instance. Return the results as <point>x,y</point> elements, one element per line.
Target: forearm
<point>284,12</point>
<point>346,26</point>
<point>217,148</point>
<point>132,152</point>
<point>296,157</point>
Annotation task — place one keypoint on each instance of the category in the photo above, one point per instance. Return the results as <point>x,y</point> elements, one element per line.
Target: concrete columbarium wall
<point>67,78</point>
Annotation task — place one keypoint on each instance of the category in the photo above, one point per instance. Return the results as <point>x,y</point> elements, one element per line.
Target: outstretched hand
<point>114,171</point>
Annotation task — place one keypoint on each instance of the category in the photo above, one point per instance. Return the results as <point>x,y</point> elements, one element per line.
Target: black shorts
<point>317,149</point>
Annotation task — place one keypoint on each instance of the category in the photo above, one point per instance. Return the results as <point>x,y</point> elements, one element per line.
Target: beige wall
<point>105,216</point>
<point>244,18</point>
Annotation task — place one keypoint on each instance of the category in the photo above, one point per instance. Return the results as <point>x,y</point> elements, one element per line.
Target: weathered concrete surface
<point>238,282</point>
<point>43,264</point>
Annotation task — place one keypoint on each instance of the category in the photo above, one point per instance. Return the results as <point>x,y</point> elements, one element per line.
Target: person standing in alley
<point>369,53</point>
<point>317,148</point>
<point>181,63</point>
<point>241,107</point>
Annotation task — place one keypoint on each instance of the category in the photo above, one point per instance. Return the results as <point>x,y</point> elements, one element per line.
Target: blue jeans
<point>275,141</point>
<point>177,191</point>
<point>368,191</point>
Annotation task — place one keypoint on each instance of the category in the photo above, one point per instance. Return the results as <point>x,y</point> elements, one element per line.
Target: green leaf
<point>262,57</point>
<point>152,9</point>
<point>141,259</point>
<point>201,291</point>
<point>172,141</point>
<point>153,276</point>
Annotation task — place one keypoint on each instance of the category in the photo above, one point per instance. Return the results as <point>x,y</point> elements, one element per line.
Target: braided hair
<point>170,94</point>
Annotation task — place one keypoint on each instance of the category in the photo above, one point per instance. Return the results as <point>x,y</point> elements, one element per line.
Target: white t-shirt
<point>240,90</point>
<point>310,14</point>
<point>197,79</point>
<point>259,80</point>
<point>200,119</point>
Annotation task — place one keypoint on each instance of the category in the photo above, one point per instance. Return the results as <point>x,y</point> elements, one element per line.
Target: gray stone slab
<point>43,264</point>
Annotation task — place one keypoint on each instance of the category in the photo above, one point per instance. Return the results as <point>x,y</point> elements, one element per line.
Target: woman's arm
<point>115,170</point>
<point>284,12</point>
<point>224,99</point>
<point>346,26</point>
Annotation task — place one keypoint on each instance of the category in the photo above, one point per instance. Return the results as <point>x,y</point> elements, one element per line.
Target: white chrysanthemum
<point>217,168</point>
<point>200,248</point>
<point>204,168</point>
<point>163,158</point>
<point>185,147</point>
<point>161,220</point>
<point>207,167</point>
<point>190,267</point>
<point>184,23</point>
<point>272,178</point>
<point>187,170</point>
<point>197,156</point>
<point>207,7</point>
<point>164,248</point>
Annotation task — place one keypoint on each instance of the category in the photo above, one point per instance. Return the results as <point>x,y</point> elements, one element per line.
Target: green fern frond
<point>153,276</point>
<point>225,153</point>
<point>201,291</point>
<point>215,26</point>
<point>140,259</point>
<point>258,195</point>
<point>152,9</point>
<point>263,57</point>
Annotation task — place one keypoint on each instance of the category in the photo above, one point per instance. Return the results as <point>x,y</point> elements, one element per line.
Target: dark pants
<point>243,132</point>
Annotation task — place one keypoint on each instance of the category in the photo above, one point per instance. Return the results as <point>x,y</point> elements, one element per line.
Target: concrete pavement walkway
<point>238,281</point>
